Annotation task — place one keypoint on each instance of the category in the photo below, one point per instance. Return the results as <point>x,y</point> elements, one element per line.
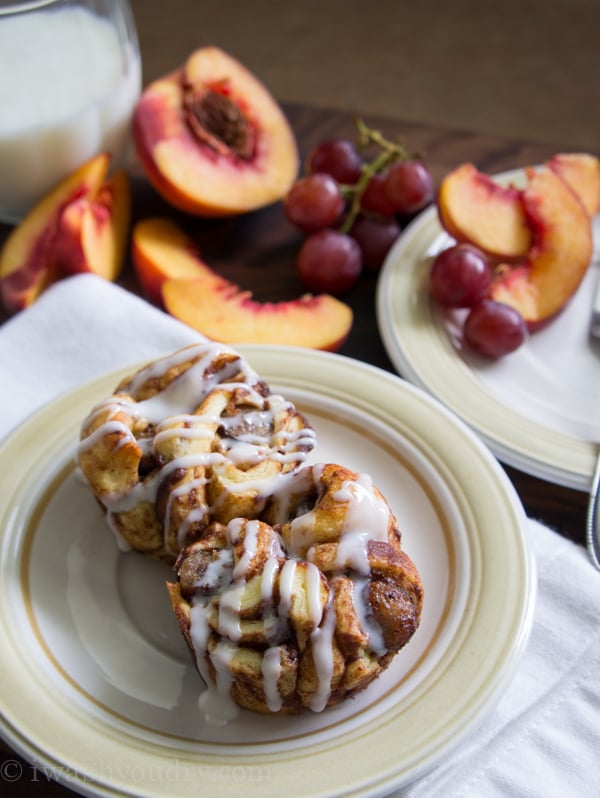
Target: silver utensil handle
<point>595,322</point>
<point>593,518</point>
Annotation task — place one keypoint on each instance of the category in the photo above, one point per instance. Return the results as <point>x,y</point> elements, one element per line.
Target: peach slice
<point>161,251</point>
<point>224,313</point>
<point>92,231</point>
<point>217,308</point>
<point>560,253</point>
<point>582,173</point>
<point>27,264</point>
<point>475,209</point>
<point>212,140</point>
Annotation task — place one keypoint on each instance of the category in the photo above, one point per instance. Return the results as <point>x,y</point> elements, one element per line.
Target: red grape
<point>375,238</point>
<point>460,276</point>
<point>329,261</point>
<point>374,198</point>
<point>493,329</point>
<point>314,202</point>
<point>409,186</point>
<point>336,157</point>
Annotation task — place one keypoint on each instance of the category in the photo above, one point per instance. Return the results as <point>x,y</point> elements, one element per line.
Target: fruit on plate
<point>493,329</point>
<point>80,225</point>
<point>162,251</point>
<point>211,138</point>
<point>217,308</point>
<point>582,172</point>
<point>560,254</point>
<point>93,231</point>
<point>556,203</point>
<point>475,209</point>
<point>460,276</point>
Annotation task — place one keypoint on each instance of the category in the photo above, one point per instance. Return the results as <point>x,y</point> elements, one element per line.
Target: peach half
<point>80,225</point>
<point>475,209</point>
<point>212,140</point>
<point>560,254</point>
<point>196,295</point>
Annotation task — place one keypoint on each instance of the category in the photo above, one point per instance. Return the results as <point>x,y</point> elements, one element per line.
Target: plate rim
<point>391,304</point>
<point>287,360</point>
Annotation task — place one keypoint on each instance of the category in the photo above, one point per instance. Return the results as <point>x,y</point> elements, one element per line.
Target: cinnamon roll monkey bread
<point>305,610</point>
<point>291,587</point>
<point>189,439</point>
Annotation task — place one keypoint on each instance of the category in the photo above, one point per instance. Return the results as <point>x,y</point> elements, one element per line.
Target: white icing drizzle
<point>199,634</point>
<point>271,672</point>
<point>365,617</point>
<point>313,594</point>
<point>122,544</point>
<point>122,501</point>
<point>198,428</point>
<point>219,707</point>
<point>197,514</point>
<point>229,623</point>
<point>182,394</point>
<point>286,584</point>
<point>218,572</point>
<point>322,652</point>
<point>267,581</point>
<point>113,405</point>
<point>108,428</point>
<point>367,518</point>
<point>250,544</point>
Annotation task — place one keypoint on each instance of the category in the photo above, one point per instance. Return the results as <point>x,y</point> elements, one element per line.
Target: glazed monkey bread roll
<point>189,439</point>
<point>305,609</point>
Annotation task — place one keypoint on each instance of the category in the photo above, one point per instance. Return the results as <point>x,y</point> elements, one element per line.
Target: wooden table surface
<point>257,252</point>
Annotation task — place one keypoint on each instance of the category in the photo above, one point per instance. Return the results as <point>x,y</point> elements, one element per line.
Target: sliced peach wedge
<point>212,140</point>
<point>79,226</point>
<point>229,315</point>
<point>161,251</point>
<point>560,254</point>
<point>581,171</point>
<point>27,266</point>
<point>93,231</point>
<point>475,209</point>
<point>196,295</point>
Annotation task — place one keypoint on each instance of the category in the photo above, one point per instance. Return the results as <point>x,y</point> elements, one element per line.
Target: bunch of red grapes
<point>351,209</point>
<point>460,278</point>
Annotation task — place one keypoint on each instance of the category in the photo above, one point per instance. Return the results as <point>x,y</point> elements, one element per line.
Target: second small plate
<point>538,409</point>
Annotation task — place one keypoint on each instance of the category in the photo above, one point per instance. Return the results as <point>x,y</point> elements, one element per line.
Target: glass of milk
<point>70,76</point>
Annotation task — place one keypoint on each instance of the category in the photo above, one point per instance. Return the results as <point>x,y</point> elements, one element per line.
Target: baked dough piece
<point>188,439</point>
<point>303,611</point>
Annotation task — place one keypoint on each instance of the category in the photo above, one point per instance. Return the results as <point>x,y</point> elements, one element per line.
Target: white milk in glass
<point>68,86</point>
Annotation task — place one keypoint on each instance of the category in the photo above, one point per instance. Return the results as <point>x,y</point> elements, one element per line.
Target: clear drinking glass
<point>70,75</point>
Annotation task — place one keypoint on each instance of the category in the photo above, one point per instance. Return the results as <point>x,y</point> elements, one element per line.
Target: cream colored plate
<point>97,686</point>
<point>538,409</point>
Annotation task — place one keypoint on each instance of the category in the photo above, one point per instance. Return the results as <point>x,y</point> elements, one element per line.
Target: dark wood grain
<point>257,252</point>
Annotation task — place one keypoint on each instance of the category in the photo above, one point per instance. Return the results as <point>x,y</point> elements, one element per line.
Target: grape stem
<point>390,152</point>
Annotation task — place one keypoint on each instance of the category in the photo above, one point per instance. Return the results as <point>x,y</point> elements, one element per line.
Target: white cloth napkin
<point>78,329</point>
<point>543,737</point>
